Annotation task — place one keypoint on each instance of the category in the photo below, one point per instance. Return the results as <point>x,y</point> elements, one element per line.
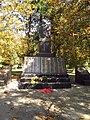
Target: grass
<point>16,71</point>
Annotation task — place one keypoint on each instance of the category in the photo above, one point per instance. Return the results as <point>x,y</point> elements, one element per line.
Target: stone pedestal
<point>53,69</point>
<point>82,76</point>
<point>44,66</point>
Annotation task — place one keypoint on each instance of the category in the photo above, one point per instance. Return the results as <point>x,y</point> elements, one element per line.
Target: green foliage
<point>71,30</point>
<point>44,78</point>
<point>12,43</point>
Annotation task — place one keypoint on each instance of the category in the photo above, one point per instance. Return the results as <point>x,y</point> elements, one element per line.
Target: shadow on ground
<point>62,104</point>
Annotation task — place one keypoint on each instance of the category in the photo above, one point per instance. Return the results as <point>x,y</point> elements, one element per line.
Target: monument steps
<point>54,85</point>
<point>50,82</point>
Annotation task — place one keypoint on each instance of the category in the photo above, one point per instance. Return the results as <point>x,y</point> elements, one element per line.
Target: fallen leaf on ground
<point>14,118</point>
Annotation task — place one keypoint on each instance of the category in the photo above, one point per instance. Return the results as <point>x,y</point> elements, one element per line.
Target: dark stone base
<point>87,82</point>
<point>57,85</point>
<point>51,82</point>
<point>82,76</point>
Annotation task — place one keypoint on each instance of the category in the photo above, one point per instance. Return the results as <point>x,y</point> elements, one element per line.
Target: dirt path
<point>62,104</point>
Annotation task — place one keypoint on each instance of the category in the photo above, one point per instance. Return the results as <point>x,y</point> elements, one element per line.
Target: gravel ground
<point>62,104</point>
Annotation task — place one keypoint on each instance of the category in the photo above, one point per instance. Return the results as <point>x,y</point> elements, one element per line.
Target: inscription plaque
<point>45,65</point>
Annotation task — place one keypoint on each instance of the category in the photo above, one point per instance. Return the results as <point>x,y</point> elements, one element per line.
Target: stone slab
<point>44,66</point>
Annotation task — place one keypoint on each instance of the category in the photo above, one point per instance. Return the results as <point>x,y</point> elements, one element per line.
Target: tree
<point>71,29</point>
<point>12,43</point>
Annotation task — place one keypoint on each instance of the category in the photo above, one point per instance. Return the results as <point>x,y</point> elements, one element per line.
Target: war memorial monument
<point>44,64</point>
